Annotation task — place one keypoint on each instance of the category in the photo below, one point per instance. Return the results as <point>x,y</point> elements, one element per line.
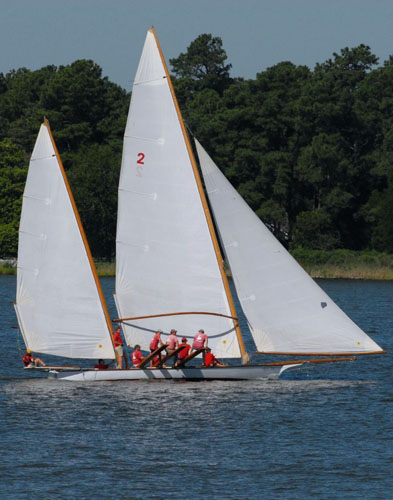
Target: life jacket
<point>136,357</point>
<point>27,359</point>
<point>184,352</point>
<point>209,359</point>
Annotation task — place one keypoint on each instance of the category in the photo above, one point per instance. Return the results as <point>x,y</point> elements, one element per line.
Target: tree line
<point>311,151</point>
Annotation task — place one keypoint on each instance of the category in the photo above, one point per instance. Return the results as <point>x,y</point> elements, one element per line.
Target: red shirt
<point>209,359</point>
<point>184,352</point>
<point>199,340</point>
<point>27,359</point>
<point>156,340</point>
<point>137,357</point>
<point>101,367</point>
<point>117,339</point>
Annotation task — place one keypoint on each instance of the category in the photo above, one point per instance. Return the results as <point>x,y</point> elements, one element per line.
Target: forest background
<point>311,151</point>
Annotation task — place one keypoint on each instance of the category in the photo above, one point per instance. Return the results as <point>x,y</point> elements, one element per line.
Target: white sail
<point>286,310</point>
<point>165,259</point>
<point>57,301</point>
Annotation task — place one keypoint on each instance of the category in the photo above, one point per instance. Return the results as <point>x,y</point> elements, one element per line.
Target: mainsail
<point>58,303</point>
<point>165,258</point>
<point>286,310</point>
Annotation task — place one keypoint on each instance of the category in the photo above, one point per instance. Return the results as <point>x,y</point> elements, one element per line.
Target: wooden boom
<point>190,356</point>
<point>119,320</point>
<point>168,356</point>
<point>151,356</point>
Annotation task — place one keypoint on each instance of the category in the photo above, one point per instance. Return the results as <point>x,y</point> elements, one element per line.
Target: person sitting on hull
<point>172,343</point>
<point>136,356</point>
<point>200,341</point>
<point>211,360</point>
<point>29,360</point>
<point>181,355</point>
<point>101,365</point>
<point>154,344</point>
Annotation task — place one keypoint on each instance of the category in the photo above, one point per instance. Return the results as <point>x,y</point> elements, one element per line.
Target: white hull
<point>192,373</point>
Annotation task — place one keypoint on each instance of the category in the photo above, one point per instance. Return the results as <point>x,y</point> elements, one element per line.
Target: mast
<point>84,239</point>
<point>220,261</point>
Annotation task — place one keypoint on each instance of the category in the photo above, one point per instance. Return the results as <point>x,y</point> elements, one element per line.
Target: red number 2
<point>140,161</point>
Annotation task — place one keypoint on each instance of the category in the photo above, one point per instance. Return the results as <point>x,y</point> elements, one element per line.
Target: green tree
<point>315,230</point>
<point>94,178</point>
<point>12,179</point>
<point>202,66</point>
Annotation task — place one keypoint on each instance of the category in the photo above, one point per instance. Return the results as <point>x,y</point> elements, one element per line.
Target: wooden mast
<point>220,261</point>
<point>84,239</point>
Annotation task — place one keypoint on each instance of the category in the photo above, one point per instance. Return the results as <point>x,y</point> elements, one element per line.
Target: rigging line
<point>119,320</point>
<point>190,337</point>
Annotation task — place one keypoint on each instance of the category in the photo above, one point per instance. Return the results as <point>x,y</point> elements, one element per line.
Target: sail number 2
<point>139,164</point>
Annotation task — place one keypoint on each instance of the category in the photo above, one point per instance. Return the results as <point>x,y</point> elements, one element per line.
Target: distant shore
<point>344,264</point>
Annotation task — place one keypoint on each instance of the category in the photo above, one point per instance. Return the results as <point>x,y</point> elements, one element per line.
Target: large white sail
<point>57,301</point>
<point>165,259</point>
<point>286,310</point>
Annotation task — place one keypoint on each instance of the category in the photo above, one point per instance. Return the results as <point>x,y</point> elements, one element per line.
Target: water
<point>322,432</point>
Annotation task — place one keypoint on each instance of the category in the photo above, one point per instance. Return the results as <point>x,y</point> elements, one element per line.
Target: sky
<point>256,34</point>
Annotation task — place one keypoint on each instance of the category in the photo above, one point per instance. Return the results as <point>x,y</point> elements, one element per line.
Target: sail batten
<point>286,310</point>
<point>164,252</point>
<point>58,304</point>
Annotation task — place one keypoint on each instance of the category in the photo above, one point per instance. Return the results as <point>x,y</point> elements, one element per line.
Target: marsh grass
<point>318,263</point>
<point>105,268</point>
<point>7,268</point>
<point>346,264</point>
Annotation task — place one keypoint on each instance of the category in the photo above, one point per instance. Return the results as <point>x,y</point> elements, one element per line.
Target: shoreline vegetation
<point>344,264</point>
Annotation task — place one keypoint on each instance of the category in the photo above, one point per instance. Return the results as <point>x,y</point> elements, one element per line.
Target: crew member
<point>118,344</point>
<point>101,365</point>
<point>172,343</point>
<point>200,342</point>
<point>136,356</point>
<point>154,344</point>
<point>29,360</point>
<point>211,360</point>
<point>186,348</point>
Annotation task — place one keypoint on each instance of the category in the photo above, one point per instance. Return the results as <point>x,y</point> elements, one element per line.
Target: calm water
<point>322,432</point>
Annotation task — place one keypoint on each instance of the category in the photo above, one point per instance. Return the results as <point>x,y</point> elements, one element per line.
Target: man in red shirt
<point>154,344</point>
<point>30,361</point>
<point>118,344</point>
<point>136,356</point>
<point>101,365</point>
<point>211,360</point>
<point>181,355</point>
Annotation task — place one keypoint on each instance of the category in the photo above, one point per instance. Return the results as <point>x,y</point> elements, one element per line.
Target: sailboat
<point>169,268</point>
<point>59,304</point>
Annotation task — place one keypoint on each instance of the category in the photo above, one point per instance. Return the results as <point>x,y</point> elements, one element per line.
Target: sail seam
<point>149,81</point>
<point>44,200</point>
<point>143,138</point>
<point>42,158</point>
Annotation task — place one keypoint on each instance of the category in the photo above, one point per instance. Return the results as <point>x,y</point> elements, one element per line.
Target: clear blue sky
<point>256,34</point>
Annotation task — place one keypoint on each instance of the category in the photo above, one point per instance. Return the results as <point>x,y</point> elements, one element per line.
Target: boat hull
<point>192,373</point>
